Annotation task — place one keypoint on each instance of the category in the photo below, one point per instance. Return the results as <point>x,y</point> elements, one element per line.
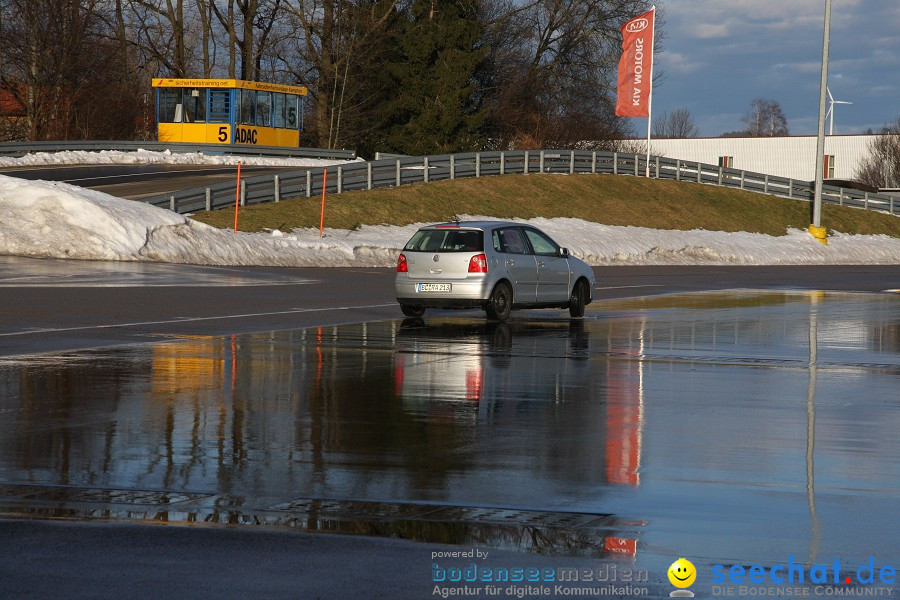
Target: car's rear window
<point>446,240</point>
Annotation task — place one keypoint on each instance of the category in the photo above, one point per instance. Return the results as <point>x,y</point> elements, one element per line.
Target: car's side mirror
<point>564,252</point>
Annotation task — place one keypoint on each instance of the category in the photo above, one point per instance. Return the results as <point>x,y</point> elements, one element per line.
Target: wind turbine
<point>830,113</point>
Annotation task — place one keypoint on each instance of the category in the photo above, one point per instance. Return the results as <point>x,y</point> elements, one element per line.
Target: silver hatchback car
<point>494,265</point>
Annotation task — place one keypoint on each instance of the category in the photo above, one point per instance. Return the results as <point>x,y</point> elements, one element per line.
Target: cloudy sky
<point>717,56</point>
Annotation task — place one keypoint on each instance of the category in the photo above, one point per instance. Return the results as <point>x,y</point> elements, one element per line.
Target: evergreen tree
<point>432,82</point>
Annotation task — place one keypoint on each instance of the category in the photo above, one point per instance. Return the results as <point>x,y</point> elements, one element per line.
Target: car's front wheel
<point>500,303</point>
<point>412,311</point>
<point>578,299</point>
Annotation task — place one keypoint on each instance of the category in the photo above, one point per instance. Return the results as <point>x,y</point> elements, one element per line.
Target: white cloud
<point>677,62</point>
<point>706,19</point>
<point>799,67</point>
<point>706,31</point>
<point>796,23</point>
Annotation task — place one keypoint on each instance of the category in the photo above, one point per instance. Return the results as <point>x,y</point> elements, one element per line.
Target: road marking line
<point>621,287</point>
<point>125,175</point>
<point>88,283</point>
<point>191,319</point>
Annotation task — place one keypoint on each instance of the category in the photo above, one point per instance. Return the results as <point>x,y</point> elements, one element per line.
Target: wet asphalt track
<point>729,427</point>
<point>135,182</point>
<point>59,305</point>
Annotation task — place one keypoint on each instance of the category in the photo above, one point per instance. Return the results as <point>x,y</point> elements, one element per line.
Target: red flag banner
<point>636,67</point>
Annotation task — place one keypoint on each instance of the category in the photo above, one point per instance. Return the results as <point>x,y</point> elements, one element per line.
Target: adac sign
<point>246,136</point>
<point>263,136</point>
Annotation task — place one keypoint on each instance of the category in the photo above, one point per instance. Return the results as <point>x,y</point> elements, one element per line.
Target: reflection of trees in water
<point>529,539</point>
<point>248,412</point>
<point>886,338</point>
<point>308,411</point>
<point>64,409</point>
<point>591,539</point>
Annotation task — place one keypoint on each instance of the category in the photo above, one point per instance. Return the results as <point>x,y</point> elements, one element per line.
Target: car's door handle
<point>510,263</point>
<point>541,263</point>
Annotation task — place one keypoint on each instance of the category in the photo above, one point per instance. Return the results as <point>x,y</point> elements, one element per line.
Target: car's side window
<point>543,245</point>
<point>509,241</point>
<point>495,240</point>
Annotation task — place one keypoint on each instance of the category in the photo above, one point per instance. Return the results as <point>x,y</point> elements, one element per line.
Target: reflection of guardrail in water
<point>23,148</point>
<point>405,170</point>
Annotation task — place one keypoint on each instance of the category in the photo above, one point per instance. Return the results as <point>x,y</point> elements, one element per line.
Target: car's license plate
<point>432,287</point>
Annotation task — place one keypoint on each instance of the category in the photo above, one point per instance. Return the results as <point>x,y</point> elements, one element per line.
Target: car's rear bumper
<point>463,292</point>
<point>442,302</point>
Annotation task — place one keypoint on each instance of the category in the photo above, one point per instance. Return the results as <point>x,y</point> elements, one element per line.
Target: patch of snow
<point>58,220</point>
<point>149,157</point>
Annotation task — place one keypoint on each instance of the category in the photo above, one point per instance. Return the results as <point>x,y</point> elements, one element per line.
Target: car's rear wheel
<point>578,299</point>
<point>500,303</point>
<point>412,311</point>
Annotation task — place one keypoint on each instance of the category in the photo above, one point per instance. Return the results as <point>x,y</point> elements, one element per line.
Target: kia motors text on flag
<point>636,67</point>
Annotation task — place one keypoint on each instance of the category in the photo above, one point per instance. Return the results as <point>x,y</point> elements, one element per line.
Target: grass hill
<point>607,199</point>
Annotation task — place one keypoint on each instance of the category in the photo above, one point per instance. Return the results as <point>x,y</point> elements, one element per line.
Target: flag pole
<point>650,95</point>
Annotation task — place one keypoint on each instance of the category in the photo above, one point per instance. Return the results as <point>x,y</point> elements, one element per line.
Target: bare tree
<point>677,124</point>
<point>335,39</point>
<point>163,32</point>
<point>550,71</point>
<point>205,13</point>
<point>36,72</point>
<point>881,168</point>
<point>255,20</point>
<point>542,72</point>
<point>765,119</point>
<point>63,63</point>
<point>122,38</point>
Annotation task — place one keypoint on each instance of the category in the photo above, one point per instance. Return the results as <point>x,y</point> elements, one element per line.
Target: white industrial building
<point>793,157</point>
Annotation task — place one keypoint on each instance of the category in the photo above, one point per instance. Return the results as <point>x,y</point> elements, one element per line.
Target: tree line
<point>881,168</point>
<point>764,119</point>
<point>410,76</point>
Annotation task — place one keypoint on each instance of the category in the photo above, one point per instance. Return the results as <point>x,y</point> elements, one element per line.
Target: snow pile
<point>607,245</point>
<point>58,220</point>
<point>148,157</point>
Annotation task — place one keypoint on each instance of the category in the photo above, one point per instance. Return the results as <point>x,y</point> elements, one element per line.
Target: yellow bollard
<point>819,233</point>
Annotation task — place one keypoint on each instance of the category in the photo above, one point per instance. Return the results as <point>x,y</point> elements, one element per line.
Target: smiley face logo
<point>682,573</point>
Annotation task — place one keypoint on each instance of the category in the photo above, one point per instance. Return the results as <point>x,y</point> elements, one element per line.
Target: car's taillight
<point>478,264</point>
<point>401,264</point>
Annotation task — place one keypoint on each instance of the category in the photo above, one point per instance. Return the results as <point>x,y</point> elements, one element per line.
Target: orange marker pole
<point>322,216</point>
<point>237,198</point>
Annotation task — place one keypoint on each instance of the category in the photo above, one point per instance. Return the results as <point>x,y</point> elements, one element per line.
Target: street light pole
<point>816,228</point>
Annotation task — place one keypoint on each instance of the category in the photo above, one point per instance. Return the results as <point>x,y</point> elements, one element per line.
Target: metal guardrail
<point>405,170</point>
<point>17,149</point>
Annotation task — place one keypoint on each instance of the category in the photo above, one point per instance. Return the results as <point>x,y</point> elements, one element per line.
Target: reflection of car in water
<point>544,392</point>
<point>474,361</point>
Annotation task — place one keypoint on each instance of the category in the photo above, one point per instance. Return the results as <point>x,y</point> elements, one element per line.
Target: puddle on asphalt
<point>731,427</point>
<point>524,530</point>
<point>48,272</point>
